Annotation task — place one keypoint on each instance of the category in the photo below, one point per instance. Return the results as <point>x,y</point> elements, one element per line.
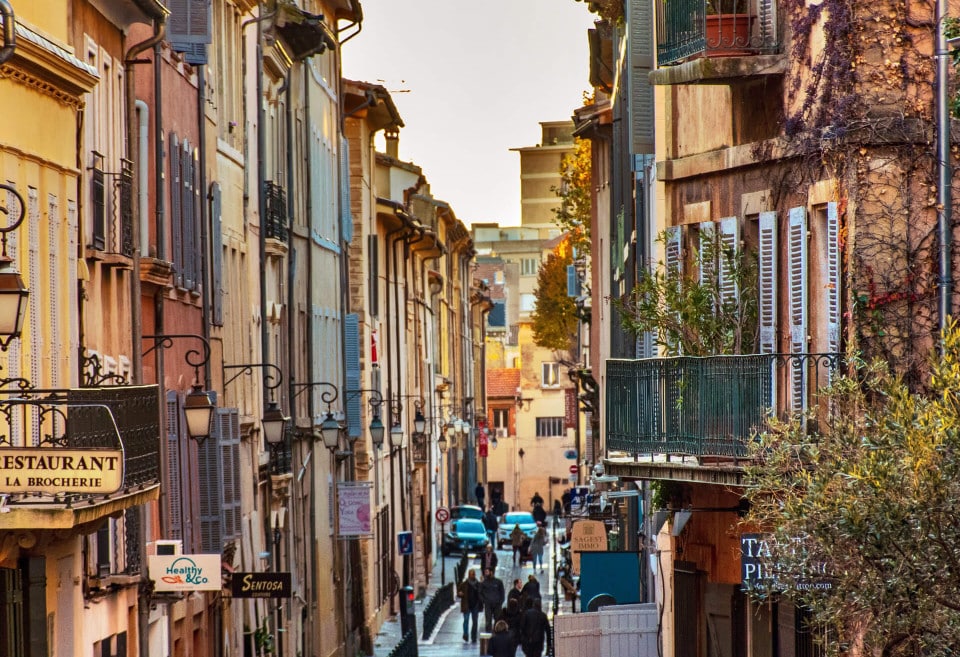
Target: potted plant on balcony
<point>729,27</point>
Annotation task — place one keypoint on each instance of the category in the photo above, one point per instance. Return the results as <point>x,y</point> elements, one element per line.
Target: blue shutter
<point>351,348</point>
<point>175,184</point>
<point>346,217</point>
<point>573,281</point>
<point>174,489</point>
<point>216,246</point>
<point>189,28</point>
<point>211,491</point>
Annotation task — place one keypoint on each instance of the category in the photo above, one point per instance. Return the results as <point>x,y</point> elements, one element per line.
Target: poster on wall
<point>354,509</point>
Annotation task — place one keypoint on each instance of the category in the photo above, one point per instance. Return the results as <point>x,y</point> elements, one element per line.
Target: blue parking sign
<point>405,542</point>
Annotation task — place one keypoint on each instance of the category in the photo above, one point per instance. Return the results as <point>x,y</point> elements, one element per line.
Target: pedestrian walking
<point>557,509</point>
<point>530,591</point>
<point>491,595</point>
<point>491,524</point>
<point>516,541</point>
<point>511,614</point>
<point>479,493</point>
<point>539,514</point>
<point>489,560</point>
<point>515,592</point>
<point>470,604</point>
<point>534,627</point>
<point>536,500</point>
<point>536,546</point>
<point>501,643</point>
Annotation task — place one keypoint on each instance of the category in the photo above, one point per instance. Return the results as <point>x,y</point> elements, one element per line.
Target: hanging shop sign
<point>759,571</point>
<point>354,518</point>
<point>261,585</point>
<point>185,572</point>
<point>54,470</point>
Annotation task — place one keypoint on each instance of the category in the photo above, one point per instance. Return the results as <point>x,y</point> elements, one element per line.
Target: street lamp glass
<point>451,429</point>
<point>396,435</point>
<point>419,422</point>
<point>273,423</point>
<point>330,430</point>
<point>442,444</point>
<point>198,409</point>
<point>376,431</point>
<point>13,302</point>
<point>493,443</point>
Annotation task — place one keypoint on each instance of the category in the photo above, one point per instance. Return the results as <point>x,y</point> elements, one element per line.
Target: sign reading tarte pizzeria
<point>55,470</point>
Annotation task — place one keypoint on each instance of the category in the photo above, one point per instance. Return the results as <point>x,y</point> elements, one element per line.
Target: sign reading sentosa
<point>185,572</point>
<point>54,470</point>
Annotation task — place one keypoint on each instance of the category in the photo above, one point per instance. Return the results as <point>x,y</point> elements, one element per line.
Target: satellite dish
<point>601,600</point>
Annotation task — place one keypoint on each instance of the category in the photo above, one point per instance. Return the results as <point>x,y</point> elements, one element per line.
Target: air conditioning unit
<point>165,547</point>
<point>501,432</point>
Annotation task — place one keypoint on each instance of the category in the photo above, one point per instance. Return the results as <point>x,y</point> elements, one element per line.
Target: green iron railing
<point>709,406</point>
<point>725,27</point>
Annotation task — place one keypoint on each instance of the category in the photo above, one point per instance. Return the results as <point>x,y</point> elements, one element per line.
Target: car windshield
<point>519,519</point>
<point>469,527</point>
<point>466,512</point>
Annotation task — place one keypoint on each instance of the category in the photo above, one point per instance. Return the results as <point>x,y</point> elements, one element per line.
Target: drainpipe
<point>143,114</point>
<point>944,173</point>
<point>158,140</point>
<point>262,210</point>
<point>9,31</point>
<point>205,231</point>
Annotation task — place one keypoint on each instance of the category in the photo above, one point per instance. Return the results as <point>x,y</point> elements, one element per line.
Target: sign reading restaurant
<point>55,470</point>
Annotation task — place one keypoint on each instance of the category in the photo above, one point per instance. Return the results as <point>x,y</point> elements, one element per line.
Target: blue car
<point>466,535</point>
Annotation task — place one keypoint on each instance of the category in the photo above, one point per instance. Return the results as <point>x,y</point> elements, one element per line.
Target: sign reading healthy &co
<point>185,572</point>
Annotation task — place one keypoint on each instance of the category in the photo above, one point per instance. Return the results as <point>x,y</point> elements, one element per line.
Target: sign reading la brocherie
<point>55,470</point>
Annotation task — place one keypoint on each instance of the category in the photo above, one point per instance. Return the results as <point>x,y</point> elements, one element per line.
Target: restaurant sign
<point>54,470</point>
<point>185,572</point>
<point>261,585</point>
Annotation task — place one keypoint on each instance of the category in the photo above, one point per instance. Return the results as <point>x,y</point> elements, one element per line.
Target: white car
<point>509,520</point>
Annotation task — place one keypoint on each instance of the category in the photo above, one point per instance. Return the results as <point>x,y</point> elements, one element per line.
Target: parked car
<point>508,520</point>
<point>465,535</point>
<point>466,511</point>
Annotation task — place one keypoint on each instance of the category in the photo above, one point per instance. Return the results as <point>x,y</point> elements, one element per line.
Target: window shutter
<point>187,217</point>
<point>573,281</point>
<point>708,254</point>
<point>351,348</point>
<point>174,489</point>
<point>798,304</point>
<point>767,275</point>
<point>726,260</point>
<point>211,491</point>
<point>640,42</point>
<point>54,288</point>
<point>228,420</point>
<point>175,183</point>
<point>673,251</point>
<point>833,278</point>
<point>373,260</point>
<point>189,28</point>
<point>216,244</point>
<point>346,216</point>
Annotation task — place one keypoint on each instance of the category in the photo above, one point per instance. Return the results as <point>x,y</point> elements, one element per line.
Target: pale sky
<point>472,80</point>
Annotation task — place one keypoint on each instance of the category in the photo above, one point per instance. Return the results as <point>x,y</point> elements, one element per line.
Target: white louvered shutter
<point>73,304</point>
<point>211,483</point>
<point>708,254</point>
<point>833,279</point>
<point>767,275</point>
<point>799,310</point>
<point>54,290</point>
<point>673,251</point>
<point>229,420</point>
<point>173,483</point>
<point>35,301</point>
<point>726,260</point>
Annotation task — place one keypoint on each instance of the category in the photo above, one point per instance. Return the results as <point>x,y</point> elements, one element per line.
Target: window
<point>501,418</point>
<point>550,427</point>
<point>498,278</point>
<point>529,266</point>
<point>528,303</point>
<point>550,375</point>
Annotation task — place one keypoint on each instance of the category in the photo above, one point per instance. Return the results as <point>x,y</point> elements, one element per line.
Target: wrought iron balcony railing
<point>708,406</point>
<point>112,214</point>
<point>714,27</point>
<point>275,223</point>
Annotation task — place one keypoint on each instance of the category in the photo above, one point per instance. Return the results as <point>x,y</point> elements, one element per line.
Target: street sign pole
<point>443,559</point>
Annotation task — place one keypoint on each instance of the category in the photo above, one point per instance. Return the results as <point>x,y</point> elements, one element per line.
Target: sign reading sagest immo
<point>55,470</point>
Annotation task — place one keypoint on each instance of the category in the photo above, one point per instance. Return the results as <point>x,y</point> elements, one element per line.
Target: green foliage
<point>693,317</point>
<point>555,314</point>
<point>871,504</point>
<point>951,30</point>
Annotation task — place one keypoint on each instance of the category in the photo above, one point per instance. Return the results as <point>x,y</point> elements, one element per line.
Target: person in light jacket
<point>536,546</point>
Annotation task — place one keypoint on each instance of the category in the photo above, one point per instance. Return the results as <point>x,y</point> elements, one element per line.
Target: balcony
<point>76,419</point>
<point>714,28</point>
<point>275,222</point>
<point>706,407</point>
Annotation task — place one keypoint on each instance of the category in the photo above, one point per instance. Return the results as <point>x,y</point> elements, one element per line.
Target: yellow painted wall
<point>49,17</point>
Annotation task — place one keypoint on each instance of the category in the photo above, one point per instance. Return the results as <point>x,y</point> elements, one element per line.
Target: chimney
<point>393,142</point>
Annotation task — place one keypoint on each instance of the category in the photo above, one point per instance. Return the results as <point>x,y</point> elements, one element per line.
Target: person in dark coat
<point>557,509</point>
<point>501,643</point>
<point>567,501</point>
<point>479,493</point>
<point>515,592</point>
<point>491,524</point>
<point>530,590</point>
<point>491,595</point>
<point>470,603</point>
<point>511,615</point>
<point>534,626</point>
<point>489,560</point>
<point>539,514</point>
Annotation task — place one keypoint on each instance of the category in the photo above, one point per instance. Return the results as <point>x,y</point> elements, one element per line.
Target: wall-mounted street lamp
<point>523,403</point>
<point>376,431</point>
<point>274,423</point>
<point>13,292</point>
<point>198,406</point>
